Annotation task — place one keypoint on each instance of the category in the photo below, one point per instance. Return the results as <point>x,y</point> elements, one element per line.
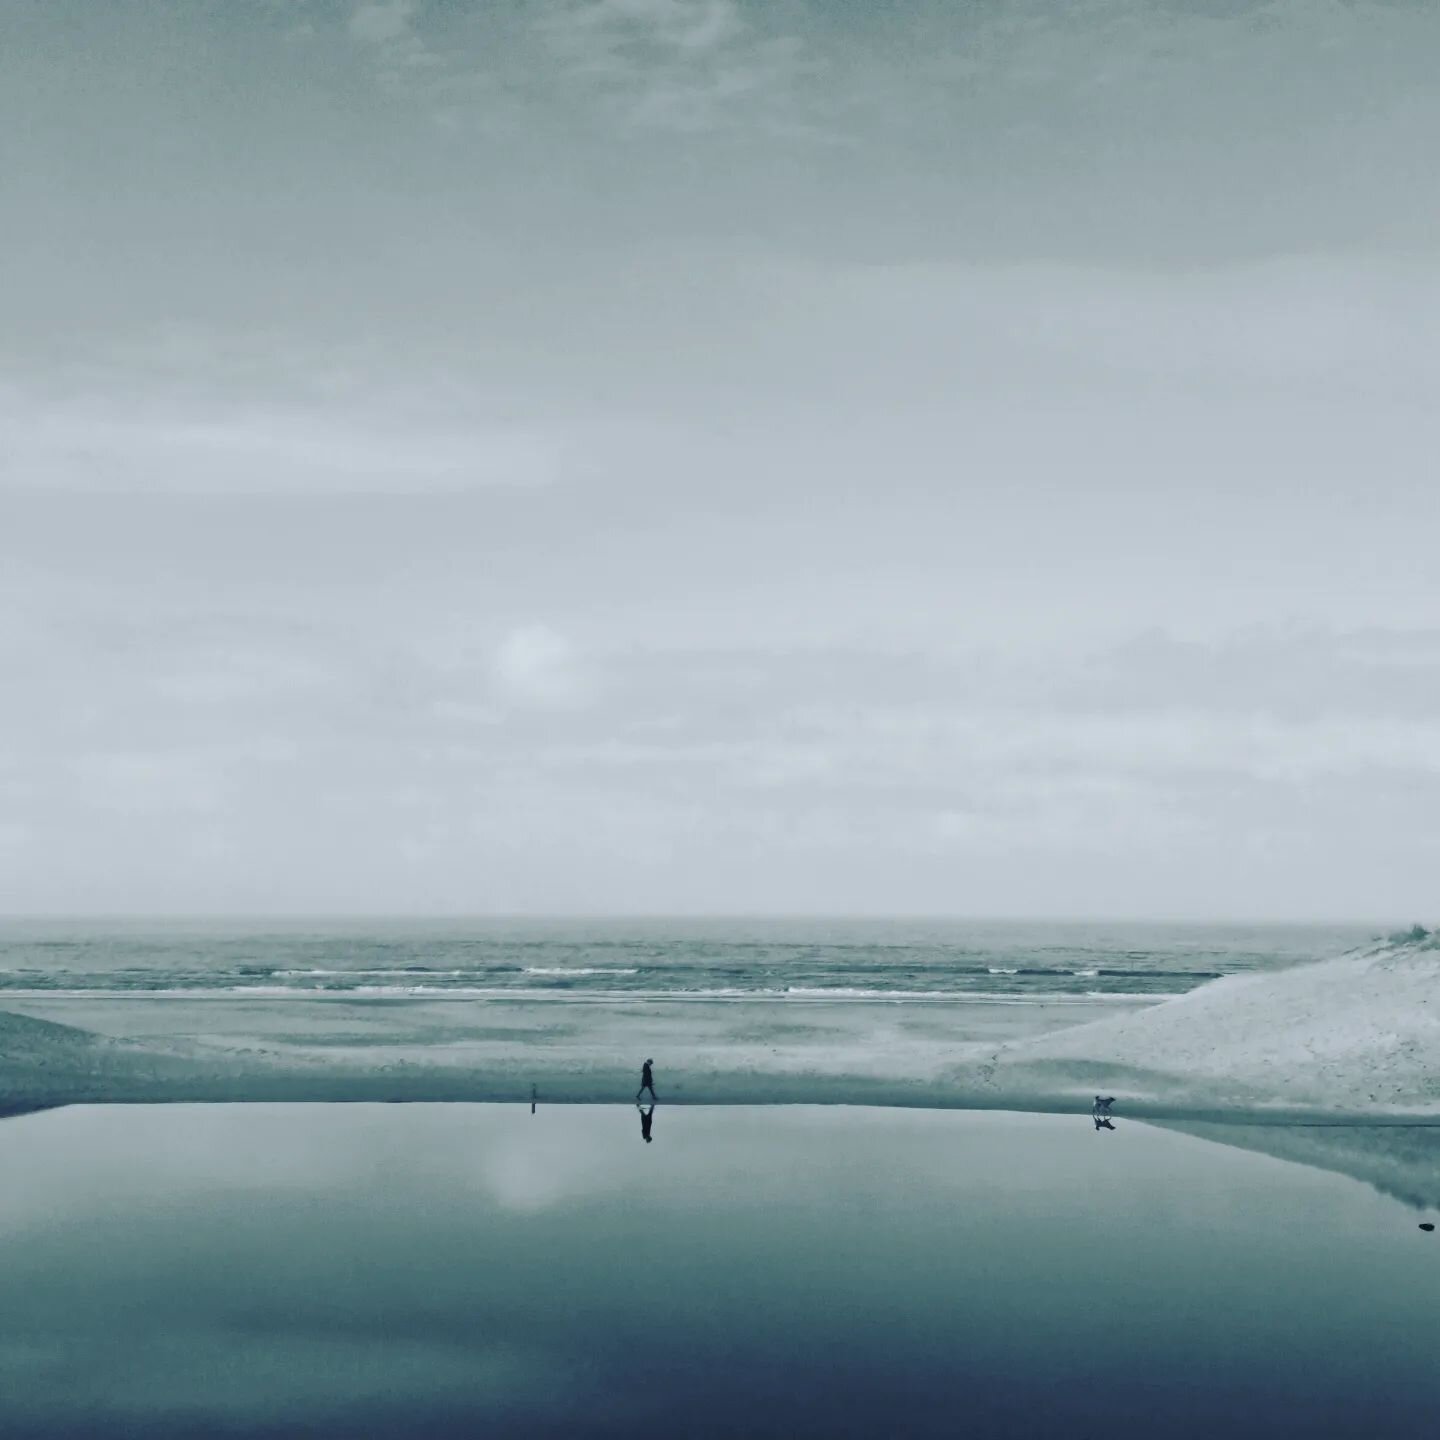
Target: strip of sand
<point>162,1048</point>
<point>1355,1038</point>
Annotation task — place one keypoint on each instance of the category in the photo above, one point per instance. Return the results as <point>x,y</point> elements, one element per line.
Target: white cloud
<point>185,444</point>
<point>534,665</point>
<point>840,780</point>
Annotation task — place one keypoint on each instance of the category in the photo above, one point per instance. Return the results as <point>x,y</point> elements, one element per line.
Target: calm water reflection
<point>467,1270</point>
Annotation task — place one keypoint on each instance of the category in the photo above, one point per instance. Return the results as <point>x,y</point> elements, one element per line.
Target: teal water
<point>652,959</point>
<point>460,1270</point>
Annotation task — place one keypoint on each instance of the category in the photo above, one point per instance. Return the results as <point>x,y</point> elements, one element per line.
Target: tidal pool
<point>369,1270</point>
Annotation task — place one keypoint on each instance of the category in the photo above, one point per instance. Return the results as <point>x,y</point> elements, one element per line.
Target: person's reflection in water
<point>647,1118</point>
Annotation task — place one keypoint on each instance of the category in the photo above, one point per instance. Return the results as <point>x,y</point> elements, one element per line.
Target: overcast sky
<point>714,455</point>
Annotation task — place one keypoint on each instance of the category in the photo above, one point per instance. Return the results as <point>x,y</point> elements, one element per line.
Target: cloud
<point>1293,673</point>
<point>13,837</point>
<point>637,67</point>
<point>184,443</point>
<point>533,665</point>
<point>735,780</point>
<point>755,445</point>
<point>686,25</point>
<point>195,780</point>
<point>380,21</point>
<point>680,66</point>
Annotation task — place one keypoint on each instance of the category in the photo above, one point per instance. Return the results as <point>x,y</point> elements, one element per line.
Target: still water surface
<point>468,1270</point>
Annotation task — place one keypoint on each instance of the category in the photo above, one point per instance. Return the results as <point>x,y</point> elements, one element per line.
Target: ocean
<point>793,960</point>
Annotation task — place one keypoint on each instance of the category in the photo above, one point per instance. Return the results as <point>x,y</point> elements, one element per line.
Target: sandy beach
<point>1355,1038</point>
<point>708,1052</point>
<point>1334,1065</point>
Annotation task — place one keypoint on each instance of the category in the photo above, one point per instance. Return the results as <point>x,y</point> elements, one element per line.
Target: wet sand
<point>718,1052</point>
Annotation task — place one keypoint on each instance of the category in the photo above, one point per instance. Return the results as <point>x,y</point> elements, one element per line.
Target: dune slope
<point>1356,1036</point>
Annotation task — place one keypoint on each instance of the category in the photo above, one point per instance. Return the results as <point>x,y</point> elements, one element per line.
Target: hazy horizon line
<point>608,917</point>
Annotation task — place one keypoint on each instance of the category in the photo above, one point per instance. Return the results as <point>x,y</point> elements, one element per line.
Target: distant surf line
<point>428,993</point>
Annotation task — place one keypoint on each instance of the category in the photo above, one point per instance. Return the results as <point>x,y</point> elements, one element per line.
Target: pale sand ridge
<point>1357,1037</point>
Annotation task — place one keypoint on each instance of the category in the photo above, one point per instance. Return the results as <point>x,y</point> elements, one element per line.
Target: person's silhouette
<point>1102,1122</point>
<point>647,1118</point>
<point>647,1082</point>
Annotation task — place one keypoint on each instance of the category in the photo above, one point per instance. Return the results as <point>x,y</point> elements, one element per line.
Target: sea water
<point>461,1270</point>
<point>791,959</point>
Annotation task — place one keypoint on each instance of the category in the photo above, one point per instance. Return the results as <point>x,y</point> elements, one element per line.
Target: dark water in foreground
<point>471,1270</point>
<point>719,959</point>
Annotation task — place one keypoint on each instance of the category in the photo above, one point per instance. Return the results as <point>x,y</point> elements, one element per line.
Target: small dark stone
<point>1426,1225</point>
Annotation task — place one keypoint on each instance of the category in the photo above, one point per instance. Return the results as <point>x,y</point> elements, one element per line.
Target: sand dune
<point>1356,1036</point>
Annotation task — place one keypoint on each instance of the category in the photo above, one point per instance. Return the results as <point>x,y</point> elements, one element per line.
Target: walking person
<point>647,1082</point>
